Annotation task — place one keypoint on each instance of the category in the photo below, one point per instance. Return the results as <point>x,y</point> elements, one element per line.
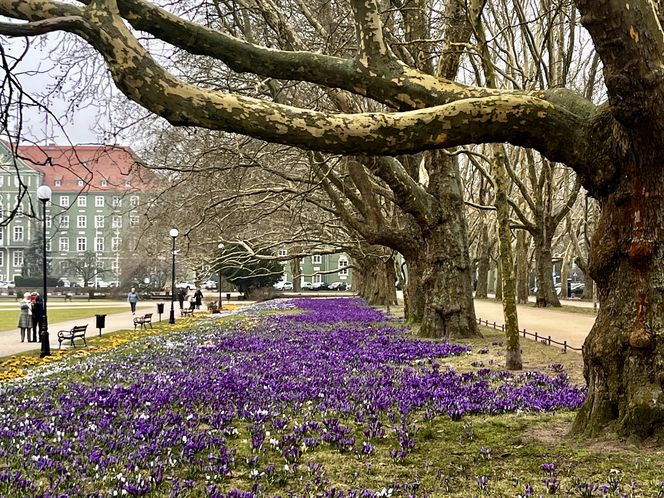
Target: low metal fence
<point>544,340</point>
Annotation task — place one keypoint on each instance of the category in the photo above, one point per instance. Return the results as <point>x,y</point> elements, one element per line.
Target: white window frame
<point>283,252</point>
<point>99,222</point>
<point>99,201</point>
<point>80,182</point>
<point>104,182</point>
<point>99,244</point>
<point>82,201</point>
<point>81,221</point>
<point>117,202</point>
<point>64,201</point>
<point>316,259</point>
<point>81,244</point>
<point>317,278</point>
<point>133,220</point>
<point>115,244</point>
<point>57,183</point>
<point>117,222</point>
<point>64,244</point>
<point>134,200</point>
<point>64,221</point>
<point>343,266</point>
<point>49,245</point>
<point>49,221</point>
<point>19,234</point>
<point>2,258</point>
<point>17,258</point>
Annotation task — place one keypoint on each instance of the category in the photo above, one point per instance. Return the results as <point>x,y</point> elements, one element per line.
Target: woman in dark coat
<point>199,298</point>
<point>37,315</point>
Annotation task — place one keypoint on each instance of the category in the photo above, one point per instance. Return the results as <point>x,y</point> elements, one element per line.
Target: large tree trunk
<point>483,263</point>
<point>546,293</point>
<point>499,283</point>
<point>413,296</point>
<point>623,355</point>
<point>446,271</point>
<point>521,265</point>
<point>295,271</point>
<point>374,278</point>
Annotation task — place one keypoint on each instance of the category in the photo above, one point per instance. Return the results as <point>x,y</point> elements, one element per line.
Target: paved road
<point>560,325</point>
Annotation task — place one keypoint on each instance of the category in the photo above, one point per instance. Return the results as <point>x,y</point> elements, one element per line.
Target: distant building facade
<point>97,197</point>
<point>316,268</point>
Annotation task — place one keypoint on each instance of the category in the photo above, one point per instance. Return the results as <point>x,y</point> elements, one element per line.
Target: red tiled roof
<point>119,166</point>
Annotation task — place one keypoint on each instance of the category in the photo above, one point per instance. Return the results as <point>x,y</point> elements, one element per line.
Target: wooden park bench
<point>143,320</point>
<point>70,335</point>
<point>186,312</point>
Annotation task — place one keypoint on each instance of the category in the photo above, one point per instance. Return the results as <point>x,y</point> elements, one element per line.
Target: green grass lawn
<point>9,318</point>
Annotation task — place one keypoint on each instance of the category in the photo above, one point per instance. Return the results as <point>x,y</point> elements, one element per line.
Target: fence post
<point>549,340</point>
<point>535,336</point>
<point>494,325</point>
<point>564,346</point>
<point>502,327</point>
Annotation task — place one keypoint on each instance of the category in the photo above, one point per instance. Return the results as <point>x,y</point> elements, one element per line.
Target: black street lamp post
<point>221,249</point>
<point>44,195</point>
<point>171,319</point>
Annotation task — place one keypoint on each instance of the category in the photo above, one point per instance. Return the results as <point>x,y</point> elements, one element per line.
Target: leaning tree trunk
<point>483,264</point>
<point>374,279</point>
<point>624,352</point>
<point>413,295</point>
<point>499,283</point>
<point>546,293</point>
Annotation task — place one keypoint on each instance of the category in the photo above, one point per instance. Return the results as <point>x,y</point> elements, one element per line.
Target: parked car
<point>319,286</point>
<point>307,286</point>
<point>209,285</point>
<point>577,288</point>
<point>186,285</point>
<point>340,286</point>
<point>283,285</point>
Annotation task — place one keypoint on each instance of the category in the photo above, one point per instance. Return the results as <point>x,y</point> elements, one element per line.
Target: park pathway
<point>560,325</point>
<point>10,342</point>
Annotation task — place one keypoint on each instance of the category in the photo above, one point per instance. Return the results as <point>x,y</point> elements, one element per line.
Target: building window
<point>134,200</point>
<point>2,181</point>
<point>18,234</point>
<point>99,244</point>
<point>80,183</point>
<point>2,235</point>
<point>82,221</point>
<point>64,221</point>
<point>57,183</point>
<point>127,182</point>
<point>117,202</point>
<point>316,259</point>
<point>64,244</point>
<point>115,266</point>
<point>117,222</point>
<point>81,244</point>
<point>99,201</point>
<point>82,201</point>
<point>343,267</point>
<point>48,245</point>
<point>18,258</point>
<point>64,201</point>
<point>133,220</point>
<point>99,222</point>
<point>2,258</point>
<point>115,244</point>
<point>283,252</point>
<point>104,182</point>
<point>49,221</point>
<point>317,278</point>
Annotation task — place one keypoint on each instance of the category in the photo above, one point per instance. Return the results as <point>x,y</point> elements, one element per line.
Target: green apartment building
<point>326,268</point>
<point>97,194</point>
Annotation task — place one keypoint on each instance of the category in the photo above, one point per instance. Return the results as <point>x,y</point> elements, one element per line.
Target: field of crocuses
<point>301,398</point>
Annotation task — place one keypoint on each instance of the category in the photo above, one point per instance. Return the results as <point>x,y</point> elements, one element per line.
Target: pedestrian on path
<point>198,295</point>
<point>132,297</point>
<point>182,293</point>
<point>25,318</point>
<point>37,315</point>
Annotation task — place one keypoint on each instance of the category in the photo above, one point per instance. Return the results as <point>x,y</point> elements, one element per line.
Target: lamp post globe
<point>44,195</point>
<point>173,233</point>
<point>220,246</point>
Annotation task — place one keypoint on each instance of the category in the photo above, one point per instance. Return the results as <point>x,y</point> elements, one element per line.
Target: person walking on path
<point>181,295</point>
<point>37,315</point>
<point>132,297</point>
<point>25,318</point>
<point>198,295</point>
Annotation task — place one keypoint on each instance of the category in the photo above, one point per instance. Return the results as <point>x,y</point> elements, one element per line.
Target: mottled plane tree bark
<point>614,147</point>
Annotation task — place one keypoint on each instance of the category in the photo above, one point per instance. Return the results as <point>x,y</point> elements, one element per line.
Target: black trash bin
<point>228,296</point>
<point>100,322</point>
<point>160,309</point>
